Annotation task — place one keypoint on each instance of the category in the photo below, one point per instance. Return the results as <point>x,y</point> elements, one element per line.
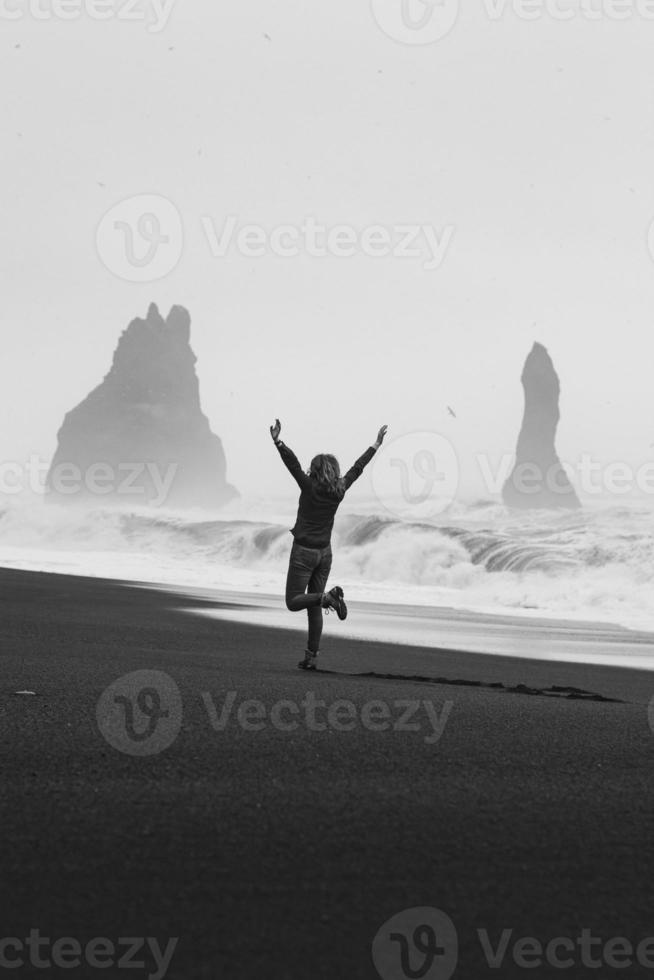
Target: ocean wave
<point>597,565</point>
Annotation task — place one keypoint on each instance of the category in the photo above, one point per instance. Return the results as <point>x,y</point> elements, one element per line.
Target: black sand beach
<point>280,854</point>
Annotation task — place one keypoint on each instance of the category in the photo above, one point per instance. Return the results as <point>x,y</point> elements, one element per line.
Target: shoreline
<point>608,631</point>
<point>537,638</point>
<point>454,660</point>
<point>504,634</point>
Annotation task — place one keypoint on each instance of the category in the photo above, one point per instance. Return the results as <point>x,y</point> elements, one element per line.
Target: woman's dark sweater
<point>317,507</point>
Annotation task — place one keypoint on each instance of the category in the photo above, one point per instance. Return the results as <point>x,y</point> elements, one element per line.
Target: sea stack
<point>538,479</point>
<point>140,437</point>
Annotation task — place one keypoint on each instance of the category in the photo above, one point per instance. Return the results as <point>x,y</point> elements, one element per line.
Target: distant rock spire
<point>140,437</point>
<point>538,479</point>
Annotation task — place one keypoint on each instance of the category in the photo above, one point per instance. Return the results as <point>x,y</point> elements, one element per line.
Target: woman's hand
<point>380,436</point>
<point>275,430</point>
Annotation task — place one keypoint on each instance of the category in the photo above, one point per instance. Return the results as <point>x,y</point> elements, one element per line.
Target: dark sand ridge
<point>280,854</point>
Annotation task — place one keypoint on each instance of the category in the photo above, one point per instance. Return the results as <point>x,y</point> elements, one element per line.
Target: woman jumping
<point>322,490</point>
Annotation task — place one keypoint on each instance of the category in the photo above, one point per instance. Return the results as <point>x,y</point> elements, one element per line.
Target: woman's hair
<point>326,474</point>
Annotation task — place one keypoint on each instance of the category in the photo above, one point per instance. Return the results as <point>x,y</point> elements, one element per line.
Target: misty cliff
<point>140,436</point>
<point>538,478</point>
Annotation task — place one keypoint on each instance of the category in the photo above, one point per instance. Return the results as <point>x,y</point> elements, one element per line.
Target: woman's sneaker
<point>334,600</point>
<point>309,662</point>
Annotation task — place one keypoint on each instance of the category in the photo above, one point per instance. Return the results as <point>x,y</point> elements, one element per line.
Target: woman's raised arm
<point>357,469</point>
<point>289,458</point>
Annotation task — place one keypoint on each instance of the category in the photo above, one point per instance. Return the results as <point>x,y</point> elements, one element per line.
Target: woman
<point>322,490</point>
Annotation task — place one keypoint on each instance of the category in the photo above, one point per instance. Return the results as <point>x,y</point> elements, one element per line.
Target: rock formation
<point>538,478</point>
<point>140,436</point>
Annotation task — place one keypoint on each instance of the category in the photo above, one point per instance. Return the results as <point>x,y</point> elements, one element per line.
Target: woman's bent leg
<point>301,566</point>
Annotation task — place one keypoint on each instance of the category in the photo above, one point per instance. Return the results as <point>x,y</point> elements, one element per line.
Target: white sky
<point>534,140</point>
